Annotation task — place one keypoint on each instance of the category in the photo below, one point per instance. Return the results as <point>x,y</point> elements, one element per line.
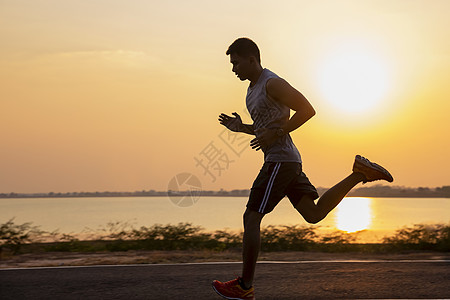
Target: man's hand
<point>264,138</point>
<point>233,124</point>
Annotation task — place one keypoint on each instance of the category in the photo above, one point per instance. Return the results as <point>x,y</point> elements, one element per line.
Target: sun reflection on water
<point>354,214</point>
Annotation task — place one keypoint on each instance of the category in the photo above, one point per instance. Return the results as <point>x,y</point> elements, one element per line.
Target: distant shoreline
<point>379,191</point>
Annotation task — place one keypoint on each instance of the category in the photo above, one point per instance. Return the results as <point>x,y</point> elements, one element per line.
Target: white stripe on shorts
<point>269,188</point>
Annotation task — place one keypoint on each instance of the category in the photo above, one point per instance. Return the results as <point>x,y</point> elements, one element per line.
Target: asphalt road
<point>304,280</point>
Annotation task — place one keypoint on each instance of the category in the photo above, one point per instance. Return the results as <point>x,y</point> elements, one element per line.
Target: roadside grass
<point>121,236</point>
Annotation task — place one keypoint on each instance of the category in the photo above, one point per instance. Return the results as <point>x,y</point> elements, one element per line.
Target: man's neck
<point>255,76</point>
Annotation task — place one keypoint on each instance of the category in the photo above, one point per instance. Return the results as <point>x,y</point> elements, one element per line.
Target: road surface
<point>404,279</point>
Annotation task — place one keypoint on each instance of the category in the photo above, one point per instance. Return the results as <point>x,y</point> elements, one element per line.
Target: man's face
<point>241,66</point>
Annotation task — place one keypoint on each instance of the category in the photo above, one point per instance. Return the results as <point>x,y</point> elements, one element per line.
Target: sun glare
<point>354,214</point>
<point>353,79</point>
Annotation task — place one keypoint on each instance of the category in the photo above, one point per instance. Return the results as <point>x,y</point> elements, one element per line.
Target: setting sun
<point>353,79</point>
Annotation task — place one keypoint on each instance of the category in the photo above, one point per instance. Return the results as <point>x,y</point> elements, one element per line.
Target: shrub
<point>118,236</point>
<point>14,236</point>
<point>276,238</point>
<point>421,237</point>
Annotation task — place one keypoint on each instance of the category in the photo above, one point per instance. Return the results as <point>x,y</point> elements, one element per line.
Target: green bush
<point>276,238</point>
<point>13,236</point>
<point>421,237</point>
<point>118,236</point>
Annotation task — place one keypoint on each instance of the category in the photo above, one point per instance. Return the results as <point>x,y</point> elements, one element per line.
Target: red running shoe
<point>233,290</point>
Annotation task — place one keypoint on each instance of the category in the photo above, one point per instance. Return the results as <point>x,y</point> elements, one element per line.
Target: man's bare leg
<point>314,213</point>
<point>311,212</point>
<point>363,171</point>
<point>251,245</point>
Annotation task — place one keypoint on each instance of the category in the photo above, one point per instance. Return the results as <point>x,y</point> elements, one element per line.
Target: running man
<point>269,101</point>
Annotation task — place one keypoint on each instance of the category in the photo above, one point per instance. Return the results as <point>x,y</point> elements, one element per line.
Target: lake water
<point>378,216</point>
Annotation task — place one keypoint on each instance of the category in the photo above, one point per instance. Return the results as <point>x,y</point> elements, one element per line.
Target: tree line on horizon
<point>373,191</point>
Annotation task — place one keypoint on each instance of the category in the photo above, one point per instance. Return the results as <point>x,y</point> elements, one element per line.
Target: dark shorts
<point>277,180</point>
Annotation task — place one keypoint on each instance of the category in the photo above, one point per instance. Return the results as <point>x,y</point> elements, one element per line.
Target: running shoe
<point>370,170</point>
<point>233,290</point>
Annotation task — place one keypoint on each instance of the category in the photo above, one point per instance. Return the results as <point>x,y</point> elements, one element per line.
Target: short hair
<point>244,47</point>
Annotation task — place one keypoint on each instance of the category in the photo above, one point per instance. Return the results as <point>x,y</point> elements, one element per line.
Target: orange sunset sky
<point>108,95</point>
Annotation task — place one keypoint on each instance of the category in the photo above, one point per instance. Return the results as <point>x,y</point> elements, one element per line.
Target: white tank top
<point>267,113</point>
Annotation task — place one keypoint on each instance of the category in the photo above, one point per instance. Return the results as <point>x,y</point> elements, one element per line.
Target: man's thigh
<point>302,194</point>
<point>271,185</point>
<point>307,208</point>
<point>299,188</point>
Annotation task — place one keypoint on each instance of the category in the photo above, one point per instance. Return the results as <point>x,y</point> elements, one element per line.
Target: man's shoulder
<point>275,83</point>
<point>270,74</point>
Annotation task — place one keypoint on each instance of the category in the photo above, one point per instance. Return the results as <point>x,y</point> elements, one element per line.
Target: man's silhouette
<point>269,101</point>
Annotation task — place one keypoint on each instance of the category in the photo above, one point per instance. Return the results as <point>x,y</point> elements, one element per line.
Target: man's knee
<point>312,218</point>
<point>309,210</point>
<point>252,218</point>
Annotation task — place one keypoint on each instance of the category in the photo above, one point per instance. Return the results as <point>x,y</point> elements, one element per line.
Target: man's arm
<point>235,124</point>
<point>281,91</point>
<point>248,128</point>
